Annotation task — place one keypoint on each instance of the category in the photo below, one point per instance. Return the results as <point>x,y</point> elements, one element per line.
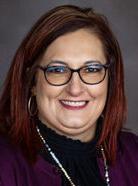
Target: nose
<point>75,87</point>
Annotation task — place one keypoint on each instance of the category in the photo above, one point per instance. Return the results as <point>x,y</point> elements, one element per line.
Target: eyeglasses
<point>59,74</point>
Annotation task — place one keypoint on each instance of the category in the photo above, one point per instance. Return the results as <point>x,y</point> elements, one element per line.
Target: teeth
<point>74,103</point>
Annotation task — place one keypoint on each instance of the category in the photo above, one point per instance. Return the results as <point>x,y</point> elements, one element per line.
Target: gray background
<point>17,16</point>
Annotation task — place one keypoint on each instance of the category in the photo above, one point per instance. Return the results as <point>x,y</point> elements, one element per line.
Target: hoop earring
<point>31,106</point>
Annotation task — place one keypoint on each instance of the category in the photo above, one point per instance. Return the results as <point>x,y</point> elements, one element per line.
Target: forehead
<point>75,49</point>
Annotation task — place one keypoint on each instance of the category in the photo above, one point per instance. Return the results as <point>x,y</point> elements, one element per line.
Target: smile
<point>73,104</point>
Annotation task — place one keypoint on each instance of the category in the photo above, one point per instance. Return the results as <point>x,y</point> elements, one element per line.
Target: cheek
<point>45,93</point>
<point>99,91</point>
<point>47,101</point>
<point>44,96</point>
<point>99,95</point>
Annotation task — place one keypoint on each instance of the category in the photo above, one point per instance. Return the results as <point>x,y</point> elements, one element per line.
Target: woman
<point>63,106</point>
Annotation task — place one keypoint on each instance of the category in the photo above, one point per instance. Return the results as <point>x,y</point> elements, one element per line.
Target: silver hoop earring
<point>32,106</point>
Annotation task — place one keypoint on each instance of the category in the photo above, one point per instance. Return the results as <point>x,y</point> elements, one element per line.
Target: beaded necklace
<point>63,169</point>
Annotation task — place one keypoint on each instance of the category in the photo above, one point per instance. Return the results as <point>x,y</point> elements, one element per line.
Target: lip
<point>76,105</point>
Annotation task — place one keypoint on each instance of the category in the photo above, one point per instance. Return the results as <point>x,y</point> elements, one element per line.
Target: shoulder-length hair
<point>15,120</point>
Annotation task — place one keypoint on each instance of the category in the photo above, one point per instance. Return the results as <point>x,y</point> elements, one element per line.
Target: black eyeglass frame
<point>44,68</point>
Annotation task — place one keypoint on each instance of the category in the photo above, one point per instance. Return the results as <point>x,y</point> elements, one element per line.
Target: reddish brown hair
<point>14,117</point>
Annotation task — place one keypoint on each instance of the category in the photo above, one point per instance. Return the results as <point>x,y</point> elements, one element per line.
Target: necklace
<point>63,169</point>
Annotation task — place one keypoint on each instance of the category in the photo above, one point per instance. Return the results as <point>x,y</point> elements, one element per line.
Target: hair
<point>15,121</point>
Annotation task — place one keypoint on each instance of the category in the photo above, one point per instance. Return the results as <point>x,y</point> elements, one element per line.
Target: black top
<point>78,158</point>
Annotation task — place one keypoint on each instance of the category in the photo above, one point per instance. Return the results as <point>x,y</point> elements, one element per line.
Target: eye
<point>57,69</point>
<point>94,68</point>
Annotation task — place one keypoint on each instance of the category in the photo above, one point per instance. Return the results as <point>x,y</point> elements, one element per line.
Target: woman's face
<point>72,109</point>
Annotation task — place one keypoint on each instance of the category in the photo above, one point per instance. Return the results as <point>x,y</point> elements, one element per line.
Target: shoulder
<point>6,150</point>
<point>15,170</point>
<point>128,146</point>
<point>12,164</point>
<point>8,156</point>
<point>125,168</point>
<point>128,140</point>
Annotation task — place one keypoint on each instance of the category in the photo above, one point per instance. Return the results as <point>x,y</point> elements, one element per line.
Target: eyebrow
<point>92,61</point>
<point>58,62</point>
<point>65,63</point>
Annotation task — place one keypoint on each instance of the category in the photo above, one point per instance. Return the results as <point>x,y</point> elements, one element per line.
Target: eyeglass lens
<point>57,74</point>
<point>60,74</point>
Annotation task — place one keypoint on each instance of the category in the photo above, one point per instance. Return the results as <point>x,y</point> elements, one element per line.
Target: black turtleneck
<point>78,158</point>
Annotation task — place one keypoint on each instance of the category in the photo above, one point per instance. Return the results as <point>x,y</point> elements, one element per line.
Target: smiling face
<point>72,109</point>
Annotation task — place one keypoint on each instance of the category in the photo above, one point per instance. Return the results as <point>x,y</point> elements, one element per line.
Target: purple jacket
<point>15,171</point>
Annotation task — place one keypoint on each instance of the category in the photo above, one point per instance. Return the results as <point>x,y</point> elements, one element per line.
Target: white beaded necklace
<point>63,169</point>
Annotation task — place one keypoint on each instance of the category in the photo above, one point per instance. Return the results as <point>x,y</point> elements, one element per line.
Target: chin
<point>74,123</point>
